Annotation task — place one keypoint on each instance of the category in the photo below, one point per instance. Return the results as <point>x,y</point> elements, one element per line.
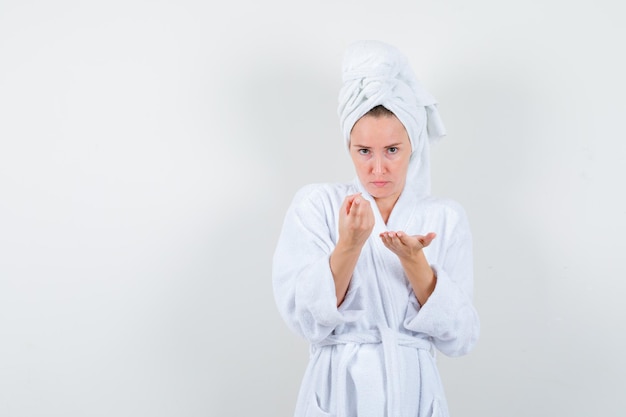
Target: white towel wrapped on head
<point>375,73</point>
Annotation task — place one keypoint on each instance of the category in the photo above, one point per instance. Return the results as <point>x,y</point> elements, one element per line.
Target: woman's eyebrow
<point>393,145</point>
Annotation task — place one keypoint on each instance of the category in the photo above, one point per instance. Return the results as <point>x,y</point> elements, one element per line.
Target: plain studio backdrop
<point>149,150</point>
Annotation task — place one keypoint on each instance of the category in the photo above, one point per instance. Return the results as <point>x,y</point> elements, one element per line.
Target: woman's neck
<point>386,205</point>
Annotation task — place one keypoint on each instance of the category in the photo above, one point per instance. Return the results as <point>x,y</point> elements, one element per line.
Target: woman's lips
<point>380,183</point>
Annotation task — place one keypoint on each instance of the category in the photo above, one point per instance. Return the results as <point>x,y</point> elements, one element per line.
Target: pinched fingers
<point>346,206</point>
<point>361,211</point>
<point>356,220</point>
<point>359,205</point>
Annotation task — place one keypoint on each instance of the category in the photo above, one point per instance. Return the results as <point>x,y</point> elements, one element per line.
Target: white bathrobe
<point>373,356</point>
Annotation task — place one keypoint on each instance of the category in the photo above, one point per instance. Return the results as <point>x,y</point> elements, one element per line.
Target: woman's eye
<point>364,151</point>
<point>393,149</point>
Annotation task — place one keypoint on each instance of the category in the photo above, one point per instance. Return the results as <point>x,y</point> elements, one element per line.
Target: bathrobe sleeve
<point>303,283</point>
<point>449,316</point>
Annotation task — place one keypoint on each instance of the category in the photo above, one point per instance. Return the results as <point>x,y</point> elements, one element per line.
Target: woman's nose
<point>377,168</point>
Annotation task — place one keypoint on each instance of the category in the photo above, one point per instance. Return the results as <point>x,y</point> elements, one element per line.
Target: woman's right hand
<point>356,221</point>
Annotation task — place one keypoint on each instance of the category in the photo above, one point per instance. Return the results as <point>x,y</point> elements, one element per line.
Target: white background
<point>149,150</point>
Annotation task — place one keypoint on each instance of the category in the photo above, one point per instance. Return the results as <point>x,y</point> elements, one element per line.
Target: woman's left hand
<point>405,246</point>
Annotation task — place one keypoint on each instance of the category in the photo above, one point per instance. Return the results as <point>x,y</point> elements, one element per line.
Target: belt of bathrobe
<point>390,340</point>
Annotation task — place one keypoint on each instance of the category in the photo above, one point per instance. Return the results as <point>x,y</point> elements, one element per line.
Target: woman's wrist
<point>348,248</point>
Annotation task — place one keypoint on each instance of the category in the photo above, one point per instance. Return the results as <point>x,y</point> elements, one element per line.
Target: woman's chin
<point>379,194</point>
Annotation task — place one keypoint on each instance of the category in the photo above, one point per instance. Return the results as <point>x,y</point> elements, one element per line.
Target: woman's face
<point>380,150</point>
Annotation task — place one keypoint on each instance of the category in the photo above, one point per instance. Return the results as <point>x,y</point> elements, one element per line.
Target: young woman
<point>377,274</point>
